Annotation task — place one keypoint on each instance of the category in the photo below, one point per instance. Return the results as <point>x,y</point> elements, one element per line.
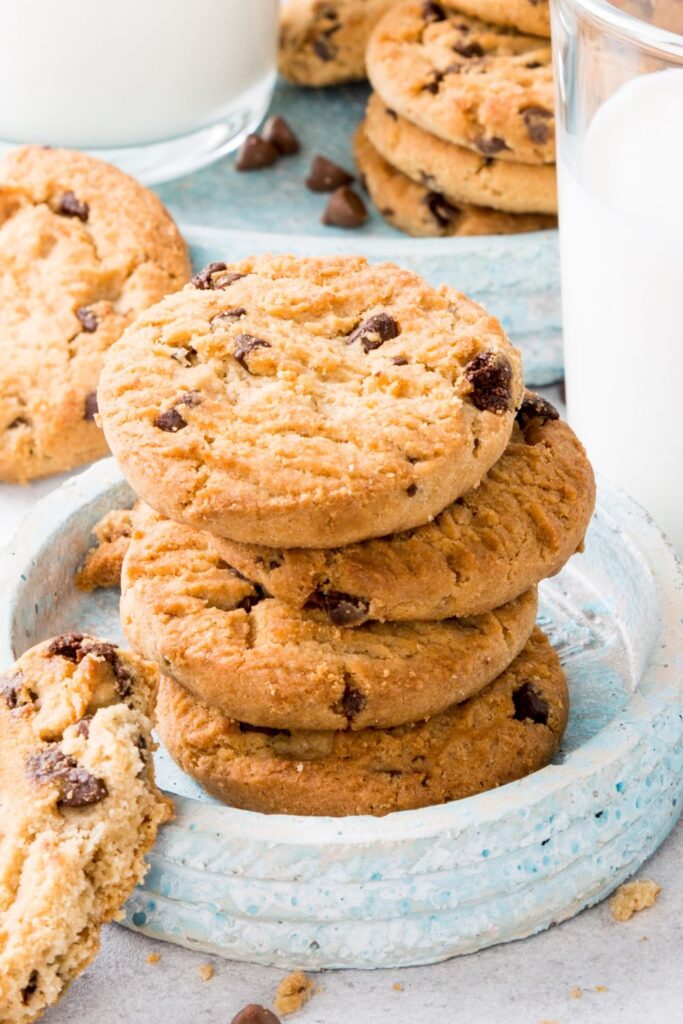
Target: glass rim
<point>631,28</point>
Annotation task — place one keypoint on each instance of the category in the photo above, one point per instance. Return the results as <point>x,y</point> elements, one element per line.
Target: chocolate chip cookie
<point>79,809</point>
<point>323,42</point>
<point>83,248</point>
<point>458,174</point>
<point>309,402</point>
<point>262,661</point>
<point>510,729</point>
<point>530,16</point>
<point>420,211</point>
<point>466,81</point>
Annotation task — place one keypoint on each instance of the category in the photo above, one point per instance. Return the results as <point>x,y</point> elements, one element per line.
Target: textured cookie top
<point>509,729</point>
<point>78,809</point>
<point>469,82</point>
<point>309,401</point>
<point>263,662</point>
<point>532,16</point>
<point>83,248</point>
<point>519,526</point>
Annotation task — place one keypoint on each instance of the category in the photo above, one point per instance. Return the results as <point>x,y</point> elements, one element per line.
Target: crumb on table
<point>206,972</point>
<point>153,958</point>
<point>397,986</point>
<point>576,993</point>
<point>102,565</point>
<point>293,992</point>
<point>633,897</point>
<point>601,988</point>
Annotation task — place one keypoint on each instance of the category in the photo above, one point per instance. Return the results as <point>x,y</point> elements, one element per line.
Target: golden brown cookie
<point>530,16</point>
<point>309,402</point>
<point>519,526</point>
<point>467,81</point>
<point>78,810</point>
<point>457,173</point>
<point>83,248</point>
<point>264,662</point>
<point>422,212</point>
<point>510,729</point>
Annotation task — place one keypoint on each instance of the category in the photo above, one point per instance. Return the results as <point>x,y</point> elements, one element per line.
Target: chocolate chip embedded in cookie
<point>264,662</point>
<point>309,429</point>
<point>79,810</point>
<point>83,248</point>
<point>511,728</point>
<point>466,81</point>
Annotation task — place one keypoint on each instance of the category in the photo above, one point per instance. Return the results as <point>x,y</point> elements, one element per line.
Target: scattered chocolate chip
<point>534,407</point>
<point>530,705</point>
<point>352,702</point>
<point>433,12</point>
<point>77,786</point>
<point>246,343</point>
<point>491,378</point>
<point>490,146</point>
<point>341,609</point>
<point>533,64</point>
<point>171,421</point>
<point>325,176</point>
<point>345,209</point>
<point>90,407</point>
<point>323,49</point>
<point>441,210</point>
<point>186,355</point>
<point>89,321</point>
<point>277,132</point>
<point>255,153</point>
<point>411,490</point>
<point>190,399</point>
<point>538,122</point>
<point>202,280</point>
<point>399,361</point>
<point>29,989</point>
<point>228,314</point>
<point>254,1014</point>
<point>434,84</point>
<point>374,331</point>
<point>469,50</point>
<point>251,600</point>
<point>109,653</point>
<point>18,421</point>
<point>391,113</point>
<point>223,281</point>
<point>83,727</point>
<point>265,730</point>
<point>70,206</point>
<point>68,646</point>
<point>9,689</point>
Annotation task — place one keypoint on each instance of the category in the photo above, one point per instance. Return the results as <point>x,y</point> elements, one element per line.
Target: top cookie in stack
<point>459,136</point>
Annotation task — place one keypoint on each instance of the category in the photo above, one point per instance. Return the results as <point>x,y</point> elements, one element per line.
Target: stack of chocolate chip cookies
<point>459,134</point>
<point>348,501</point>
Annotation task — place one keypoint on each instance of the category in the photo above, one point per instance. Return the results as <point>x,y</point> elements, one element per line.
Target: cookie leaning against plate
<point>309,402</point>
<point>532,16</point>
<point>519,526</point>
<point>510,729</point>
<point>460,174</point>
<point>264,662</point>
<point>466,81</point>
<point>83,248</point>
<point>422,212</point>
<point>323,42</point>
<point>79,809</point>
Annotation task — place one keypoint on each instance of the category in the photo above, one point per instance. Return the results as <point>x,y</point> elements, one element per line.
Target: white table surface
<point>528,982</point>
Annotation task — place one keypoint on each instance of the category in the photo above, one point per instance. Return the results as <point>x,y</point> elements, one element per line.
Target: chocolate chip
<point>202,280</point>
<point>191,399</point>
<point>323,49</point>
<point>433,12</point>
<point>223,281</point>
<point>90,407</point>
<point>391,113</point>
<point>277,132</point>
<point>251,600</point>
<point>345,209</point>
<point>77,786</point>
<point>68,646</point>
<point>254,1014</point>
<point>171,421</point>
<point>489,147</point>
<point>18,421</point>
<point>186,355</point>
<point>352,702</point>
<point>538,123</point>
<point>411,490</point>
<point>29,989</point>
<point>530,705</point>
<point>533,64</point>
<point>109,653</point>
<point>265,730</point>
<point>441,210</point>
<point>399,361</point>
<point>534,407</point>
<point>325,176</point>
<point>9,690</point>
<point>89,321</point>
<point>374,331</point>
<point>491,378</point>
<point>469,50</point>
<point>434,84</point>
<point>255,153</point>
<point>70,206</point>
<point>341,609</point>
<point>246,343</point>
<point>83,727</point>
<point>228,314</point>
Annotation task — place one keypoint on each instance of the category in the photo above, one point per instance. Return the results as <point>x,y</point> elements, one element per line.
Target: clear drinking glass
<point>158,87</point>
<point>619,83</point>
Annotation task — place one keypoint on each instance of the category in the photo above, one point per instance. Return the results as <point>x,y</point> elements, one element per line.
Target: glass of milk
<point>158,87</point>
<point>619,83</point>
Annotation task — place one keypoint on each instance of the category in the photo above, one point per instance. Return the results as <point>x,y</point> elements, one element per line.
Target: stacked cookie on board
<point>348,503</point>
<point>459,135</point>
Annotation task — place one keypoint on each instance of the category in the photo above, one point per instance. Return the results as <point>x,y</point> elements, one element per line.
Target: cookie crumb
<point>102,566</point>
<point>293,992</point>
<point>206,972</point>
<point>576,993</point>
<point>153,958</point>
<point>397,986</point>
<point>601,988</point>
<point>632,897</point>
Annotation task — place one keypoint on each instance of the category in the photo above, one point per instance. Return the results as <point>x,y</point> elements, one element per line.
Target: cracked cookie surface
<point>83,248</point>
<point>309,402</point>
<point>469,82</point>
<point>530,16</point>
<point>508,730</point>
<point>264,662</point>
<point>79,809</point>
